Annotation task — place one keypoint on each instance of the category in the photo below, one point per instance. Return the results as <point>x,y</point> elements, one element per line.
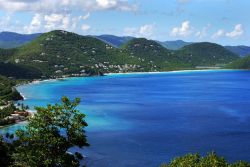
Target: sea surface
<point>140,120</point>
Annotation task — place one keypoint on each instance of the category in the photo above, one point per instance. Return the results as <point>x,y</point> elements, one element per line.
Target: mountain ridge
<point>61,53</point>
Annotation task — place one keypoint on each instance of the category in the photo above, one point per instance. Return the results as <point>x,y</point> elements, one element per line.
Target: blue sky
<point>221,21</point>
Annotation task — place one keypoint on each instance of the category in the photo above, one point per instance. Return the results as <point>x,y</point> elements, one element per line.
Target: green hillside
<point>206,54</point>
<point>243,63</point>
<point>60,53</point>
<point>154,54</point>
<point>19,71</point>
<point>7,91</point>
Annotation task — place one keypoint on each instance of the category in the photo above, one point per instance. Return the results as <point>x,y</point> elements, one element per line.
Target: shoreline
<point>39,81</point>
<point>162,72</point>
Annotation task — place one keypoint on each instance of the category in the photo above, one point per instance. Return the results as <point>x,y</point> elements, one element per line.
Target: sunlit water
<point>145,119</point>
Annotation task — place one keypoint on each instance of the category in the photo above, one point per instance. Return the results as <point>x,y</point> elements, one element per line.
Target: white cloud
<point>35,24</point>
<point>52,6</point>
<point>146,31</point>
<point>183,31</point>
<point>85,17</point>
<point>203,33</point>
<point>48,22</point>
<point>218,34</point>
<point>237,32</point>
<point>85,27</point>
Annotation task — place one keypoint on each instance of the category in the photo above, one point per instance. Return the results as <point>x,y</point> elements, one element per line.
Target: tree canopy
<point>49,134</point>
<point>210,160</point>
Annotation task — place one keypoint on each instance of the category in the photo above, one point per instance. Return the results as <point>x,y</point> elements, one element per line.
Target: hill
<point>175,45</point>
<point>7,90</point>
<point>12,40</point>
<point>243,63</point>
<point>19,71</point>
<point>239,50</point>
<point>159,58</point>
<point>59,53</point>
<point>207,54</point>
<point>113,40</point>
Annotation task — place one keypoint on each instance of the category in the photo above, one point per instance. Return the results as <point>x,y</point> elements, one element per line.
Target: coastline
<point>38,81</point>
<point>174,71</point>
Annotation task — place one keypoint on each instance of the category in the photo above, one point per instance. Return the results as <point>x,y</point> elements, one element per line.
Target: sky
<point>221,21</point>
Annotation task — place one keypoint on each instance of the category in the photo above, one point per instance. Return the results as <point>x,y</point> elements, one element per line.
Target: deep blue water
<point>145,119</point>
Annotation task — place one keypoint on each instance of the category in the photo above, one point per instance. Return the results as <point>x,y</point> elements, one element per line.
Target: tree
<point>49,134</point>
<point>5,153</point>
<point>210,160</point>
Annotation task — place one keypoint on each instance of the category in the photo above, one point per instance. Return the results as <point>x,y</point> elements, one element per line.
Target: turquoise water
<point>145,119</point>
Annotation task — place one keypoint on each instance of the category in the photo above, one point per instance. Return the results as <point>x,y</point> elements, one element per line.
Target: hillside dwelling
<point>82,71</point>
<point>17,61</point>
<point>42,54</point>
<point>58,71</point>
<point>64,32</point>
<point>37,61</point>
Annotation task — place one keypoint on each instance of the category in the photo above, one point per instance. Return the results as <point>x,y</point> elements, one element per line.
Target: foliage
<point>59,53</point>
<point>210,160</point>
<point>5,153</point>
<point>19,71</point>
<point>243,63</point>
<point>206,54</point>
<point>7,90</point>
<point>49,135</point>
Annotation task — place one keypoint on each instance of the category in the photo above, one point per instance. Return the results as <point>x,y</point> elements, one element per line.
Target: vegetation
<point>210,160</point>
<point>19,71</point>
<point>60,53</point>
<point>206,54</point>
<point>243,63</point>
<point>7,90</point>
<point>47,137</point>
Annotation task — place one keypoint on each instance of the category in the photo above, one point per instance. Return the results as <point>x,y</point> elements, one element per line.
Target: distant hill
<point>175,45</point>
<point>58,53</point>
<point>239,50</point>
<point>12,40</point>
<point>207,54</point>
<point>159,57</point>
<point>113,40</point>
<point>243,63</point>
